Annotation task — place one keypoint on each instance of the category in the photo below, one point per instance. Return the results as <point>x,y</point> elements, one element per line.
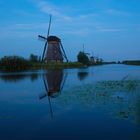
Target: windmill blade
<point>50,106</point>
<point>42,37</point>
<point>64,54</point>
<point>83,48</point>
<point>49,26</point>
<point>45,84</point>
<point>87,53</point>
<point>42,95</point>
<point>49,100</point>
<point>63,83</point>
<point>44,51</point>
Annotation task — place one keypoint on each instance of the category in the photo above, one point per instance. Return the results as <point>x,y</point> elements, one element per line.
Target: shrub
<point>14,63</point>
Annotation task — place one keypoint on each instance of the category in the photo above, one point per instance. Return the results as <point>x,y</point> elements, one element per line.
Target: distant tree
<point>119,62</point>
<point>83,58</point>
<point>33,58</point>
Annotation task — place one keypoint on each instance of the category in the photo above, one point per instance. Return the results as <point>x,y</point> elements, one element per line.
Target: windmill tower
<point>53,49</point>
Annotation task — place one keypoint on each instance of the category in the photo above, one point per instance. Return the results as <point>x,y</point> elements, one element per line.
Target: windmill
<point>92,58</point>
<point>84,50</point>
<point>54,82</point>
<point>53,49</point>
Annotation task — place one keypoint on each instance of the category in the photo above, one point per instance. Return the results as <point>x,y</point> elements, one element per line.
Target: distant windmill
<point>84,50</point>
<point>53,49</point>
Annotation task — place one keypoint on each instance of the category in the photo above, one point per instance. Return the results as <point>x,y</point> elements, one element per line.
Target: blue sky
<point>110,29</point>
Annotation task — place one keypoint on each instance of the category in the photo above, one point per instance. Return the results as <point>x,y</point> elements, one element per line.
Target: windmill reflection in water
<point>54,82</point>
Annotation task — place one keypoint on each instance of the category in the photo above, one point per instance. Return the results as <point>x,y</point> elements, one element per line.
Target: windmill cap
<point>53,38</point>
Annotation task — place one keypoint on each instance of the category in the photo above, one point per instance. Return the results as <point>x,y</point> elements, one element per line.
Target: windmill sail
<point>49,26</point>
<point>44,51</point>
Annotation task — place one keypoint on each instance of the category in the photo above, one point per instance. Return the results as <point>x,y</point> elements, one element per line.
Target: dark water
<point>84,104</point>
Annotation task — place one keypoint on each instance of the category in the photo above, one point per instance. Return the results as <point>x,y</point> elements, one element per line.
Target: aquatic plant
<point>109,96</point>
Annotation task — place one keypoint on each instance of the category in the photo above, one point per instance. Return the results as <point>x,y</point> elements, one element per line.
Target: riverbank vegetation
<point>17,63</point>
<point>84,59</point>
<point>132,62</point>
<point>14,63</point>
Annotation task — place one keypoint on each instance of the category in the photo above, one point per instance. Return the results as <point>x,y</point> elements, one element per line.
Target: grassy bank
<point>38,65</point>
<point>132,62</point>
<point>19,64</point>
<point>16,63</point>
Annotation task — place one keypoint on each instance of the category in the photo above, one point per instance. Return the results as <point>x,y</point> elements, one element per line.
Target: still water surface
<point>100,102</point>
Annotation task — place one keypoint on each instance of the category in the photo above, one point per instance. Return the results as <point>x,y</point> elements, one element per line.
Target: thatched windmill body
<point>53,49</point>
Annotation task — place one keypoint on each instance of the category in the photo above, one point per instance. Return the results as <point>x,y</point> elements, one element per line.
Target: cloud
<point>21,30</point>
<point>60,11</point>
<point>49,8</point>
<point>24,27</point>
<point>104,29</point>
<point>17,34</point>
<point>77,24</point>
<point>82,33</point>
<point>25,14</point>
<point>90,20</point>
<point>116,12</point>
